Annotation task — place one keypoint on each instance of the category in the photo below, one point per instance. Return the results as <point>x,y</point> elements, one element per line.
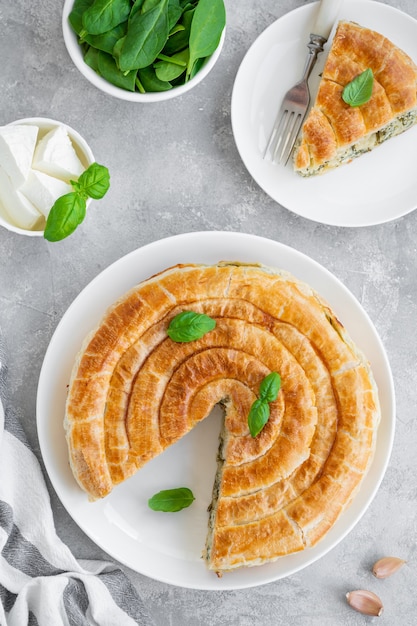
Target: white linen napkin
<point>41,582</point>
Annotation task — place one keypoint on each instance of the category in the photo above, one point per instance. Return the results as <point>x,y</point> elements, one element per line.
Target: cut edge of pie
<point>334,133</point>
<point>133,392</point>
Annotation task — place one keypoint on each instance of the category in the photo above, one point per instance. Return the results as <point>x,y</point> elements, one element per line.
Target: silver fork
<point>297,100</point>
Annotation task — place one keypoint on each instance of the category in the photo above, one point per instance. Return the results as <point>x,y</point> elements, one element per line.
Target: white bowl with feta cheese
<point>38,158</point>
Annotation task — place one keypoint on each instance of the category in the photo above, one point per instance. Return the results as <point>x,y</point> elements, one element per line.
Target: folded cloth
<point>41,582</point>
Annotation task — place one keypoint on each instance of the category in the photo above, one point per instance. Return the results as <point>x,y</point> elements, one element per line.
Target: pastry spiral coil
<point>134,391</point>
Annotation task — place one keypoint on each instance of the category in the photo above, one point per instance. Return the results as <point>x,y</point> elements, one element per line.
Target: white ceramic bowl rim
<point>75,52</point>
<point>83,149</point>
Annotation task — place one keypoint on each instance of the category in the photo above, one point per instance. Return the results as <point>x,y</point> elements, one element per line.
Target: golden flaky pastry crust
<point>134,391</point>
<point>334,132</point>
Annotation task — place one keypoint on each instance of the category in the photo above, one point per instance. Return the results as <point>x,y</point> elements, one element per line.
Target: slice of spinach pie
<point>342,124</point>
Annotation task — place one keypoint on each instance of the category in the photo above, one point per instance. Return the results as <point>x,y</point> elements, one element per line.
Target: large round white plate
<point>377,187</point>
<point>168,546</point>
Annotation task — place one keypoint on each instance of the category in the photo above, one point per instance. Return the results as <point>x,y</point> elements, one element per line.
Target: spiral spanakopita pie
<point>134,391</point>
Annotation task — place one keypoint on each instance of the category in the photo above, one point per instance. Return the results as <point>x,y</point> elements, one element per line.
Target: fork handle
<point>325,18</point>
<point>315,46</point>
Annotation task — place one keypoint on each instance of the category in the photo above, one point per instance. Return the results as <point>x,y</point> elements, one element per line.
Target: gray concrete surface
<point>175,168</point>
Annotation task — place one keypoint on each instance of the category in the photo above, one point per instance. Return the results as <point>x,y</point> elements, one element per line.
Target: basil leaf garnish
<point>64,217</point>
<point>258,416</point>
<point>260,411</point>
<point>189,326</point>
<point>359,90</point>
<point>171,500</point>
<point>269,387</point>
<point>94,181</point>
<point>69,210</point>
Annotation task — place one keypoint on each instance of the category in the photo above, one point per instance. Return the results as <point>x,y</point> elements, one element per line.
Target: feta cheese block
<point>17,146</point>
<point>17,208</point>
<point>43,190</point>
<point>55,155</point>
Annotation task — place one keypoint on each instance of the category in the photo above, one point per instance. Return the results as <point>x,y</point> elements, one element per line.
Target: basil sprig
<point>260,411</point>
<point>359,90</point>
<point>171,500</point>
<point>69,210</point>
<point>269,387</point>
<point>189,326</point>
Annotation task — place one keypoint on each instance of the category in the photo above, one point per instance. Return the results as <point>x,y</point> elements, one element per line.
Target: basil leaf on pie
<point>269,387</point>
<point>171,500</point>
<point>189,326</point>
<point>359,90</point>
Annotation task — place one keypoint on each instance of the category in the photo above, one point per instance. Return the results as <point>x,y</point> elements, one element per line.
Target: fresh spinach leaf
<point>171,500</point>
<point>147,5</point>
<point>190,326</point>
<point>106,41</point>
<point>174,10</point>
<point>174,13</point>
<point>172,67</point>
<point>117,48</point>
<point>146,35</point>
<point>108,69</point>
<point>103,15</point>
<point>150,82</point>
<point>206,29</point>
<point>176,29</point>
<point>137,6</point>
<point>186,4</point>
<point>91,58</point>
<point>197,67</point>
<point>76,14</point>
<point>179,41</point>
<point>64,217</point>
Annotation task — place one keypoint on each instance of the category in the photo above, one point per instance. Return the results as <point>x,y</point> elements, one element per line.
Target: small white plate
<point>377,187</point>
<point>168,547</point>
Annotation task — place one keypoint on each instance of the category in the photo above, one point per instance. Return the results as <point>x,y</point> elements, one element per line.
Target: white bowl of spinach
<point>144,50</point>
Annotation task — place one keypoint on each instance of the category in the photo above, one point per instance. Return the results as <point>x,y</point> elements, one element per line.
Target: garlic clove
<point>365,602</point>
<point>387,566</point>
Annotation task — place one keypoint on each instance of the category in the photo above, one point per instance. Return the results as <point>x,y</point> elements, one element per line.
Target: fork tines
<point>284,135</point>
